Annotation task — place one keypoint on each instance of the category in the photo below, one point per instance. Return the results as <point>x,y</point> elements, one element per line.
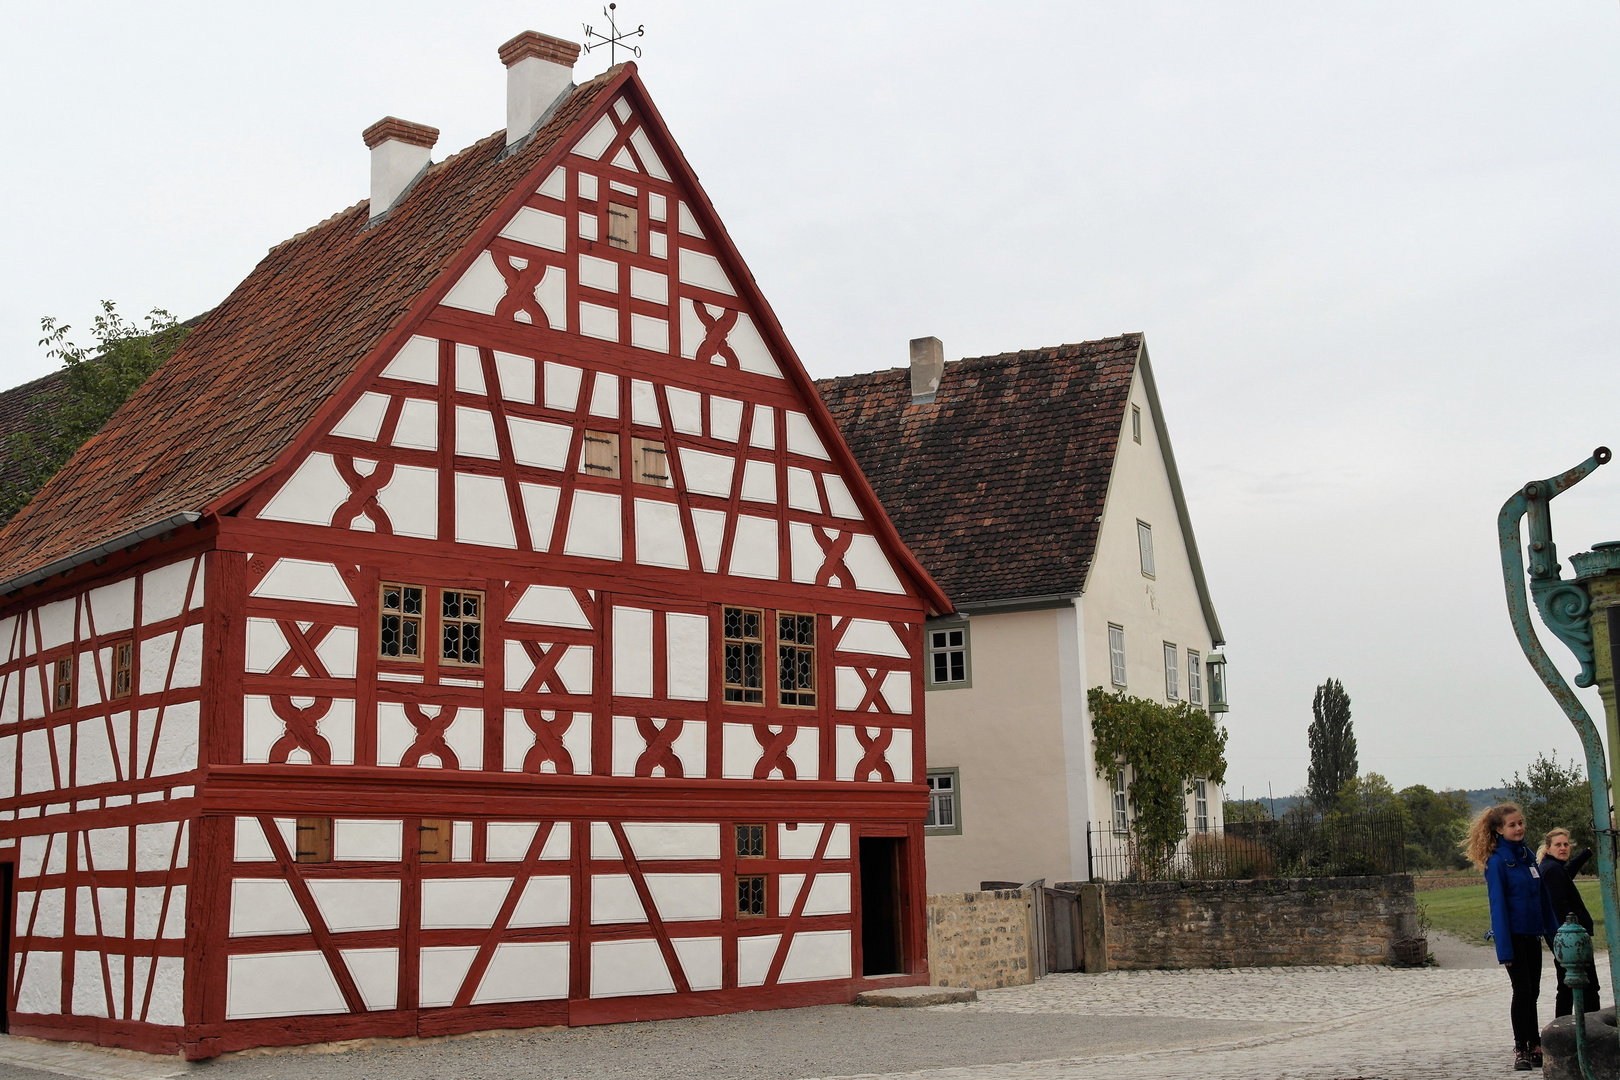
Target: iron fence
<point>1297,846</point>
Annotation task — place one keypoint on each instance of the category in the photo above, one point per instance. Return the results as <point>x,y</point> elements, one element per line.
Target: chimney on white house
<point>927,368</point>
<point>539,70</point>
<point>400,150</point>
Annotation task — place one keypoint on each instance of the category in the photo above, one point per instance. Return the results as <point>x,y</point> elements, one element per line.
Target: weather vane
<point>613,39</point>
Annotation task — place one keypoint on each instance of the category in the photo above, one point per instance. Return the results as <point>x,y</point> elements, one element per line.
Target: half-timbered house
<point>477,622</point>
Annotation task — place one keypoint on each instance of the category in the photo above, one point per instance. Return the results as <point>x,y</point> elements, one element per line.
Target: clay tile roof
<point>998,484</point>
<point>247,380</point>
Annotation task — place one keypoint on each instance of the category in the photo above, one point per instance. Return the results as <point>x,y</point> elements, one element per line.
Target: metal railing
<point>1299,845</point>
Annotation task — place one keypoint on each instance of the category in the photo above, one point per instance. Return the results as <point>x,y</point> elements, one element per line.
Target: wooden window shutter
<point>314,839</point>
<point>601,456</point>
<point>434,839</point>
<point>622,227</point>
<point>650,462</point>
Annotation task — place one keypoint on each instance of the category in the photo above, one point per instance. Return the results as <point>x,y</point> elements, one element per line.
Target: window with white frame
<point>949,664</point>
<point>1136,423</point>
<point>1172,675</point>
<point>1201,805</point>
<point>1144,543</point>
<point>1122,817</point>
<point>1116,654</point>
<point>944,801</point>
<point>1195,678</point>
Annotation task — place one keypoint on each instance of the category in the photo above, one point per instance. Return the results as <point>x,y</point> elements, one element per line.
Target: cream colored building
<point>1040,490</point>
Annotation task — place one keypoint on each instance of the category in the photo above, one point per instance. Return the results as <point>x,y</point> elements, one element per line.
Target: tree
<point>1166,748</point>
<point>96,380</point>
<point>1241,811</point>
<point>1438,820</point>
<point>1553,796</point>
<point>1333,744</point>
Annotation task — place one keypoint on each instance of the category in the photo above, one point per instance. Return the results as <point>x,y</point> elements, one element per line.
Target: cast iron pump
<point>1572,948</point>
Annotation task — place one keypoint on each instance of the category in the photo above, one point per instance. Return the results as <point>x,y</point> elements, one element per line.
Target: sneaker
<point>1521,1061</point>
<point>1535,1056</point>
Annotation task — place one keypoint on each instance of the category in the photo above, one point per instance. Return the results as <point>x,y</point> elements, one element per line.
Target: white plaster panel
<point>848,689</point>
<point>158,843</point>
<point>441,971</point>
<point>644,404</point>
<point>759,481</point>
<point>595,528</point>
<point>113,607</point>
<point>685,410</point>
<point>709,526</point>
<point>686,640</point>
<point>37,774</point>
<point>752,352</point>
<point>41,989</point>
<point>8,766</point>
<point>188,662</point>
<point>657,242</point>
<point>649,159</point>
<point>703,271</point>
<point>475,433</point>
<point>576,740</point>
<point>603,843</point>
<point>802,493</point>
<point>870,566</point>
<point>685,897</point>
<point>598,273</point>
<point>10,694</point>
<point>155,653</point>
<point>462,903</point>
<point>549,605</point>
<point>266,645</point>
<point>552,296</point>
<point>411,501</point>
<point>540,444</point>
<point>251,844</point>
<point>366,840</point>
<point>691,748</point>
<point>261,727</point>
<point>337,651</point>
<point>817,954</point>
<point>50,912</point>
<point>417,361</point>
<point>109,848</point>
<point>600,322</point>
<point>798,843</point>
<point>265,906</point>
<point>56,620</point>
<point>605,395</point>
<point>508,841</point>
<point>516,374</point>
<point>357,904</point>
<point>555,185</point>
<point>575,669</point>
<point>840,503</point>
<point>693,331</point>
<point>163,591</point>
<point>649,285</point>
<point>483,512</point>
<point>897,692</point>
<point>311,495</point>
<point>651,841</point>
<point>898,755</point>
<point>94,753</point>
<point>686,223</point>
<point>739,751</point>
<point>562,386</point>
<point>625,968</point>
<point>525,971</point>
<point>33,697</point>
<point>461,841</point>
<point>648,332</point>
<point>802,437</point>
<point>177,736</point>
<point>754,956</point>
<point>301,579</point>
<point>660,539</point>
<point>594,143</point>
<point>725,418</point>
<point>376,976</point>
<point>829,893</point>
<point>546,901</point>
<point>465,737</point>
<point>657,206</point>
<point>364,419</point>
<point>280,984</point>
<point>805,753</point>
<point>89,992</point>
<point>481,287</point>
<point>540,511</point>
<point>632,652</point>
<point>753,548</point>
<point>628,744</point>
<point>418,425</point>
<point>538,228</point>
<point>92,670</point>
<point>614,900</point>
<point>872,636</point>
<point>700,961</point>
<point>706,473</point>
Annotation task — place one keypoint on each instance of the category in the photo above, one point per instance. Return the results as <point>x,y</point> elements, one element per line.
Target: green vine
<point>1166,747</point>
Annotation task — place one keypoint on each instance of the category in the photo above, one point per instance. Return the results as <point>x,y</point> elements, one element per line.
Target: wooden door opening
<point>882,906</point>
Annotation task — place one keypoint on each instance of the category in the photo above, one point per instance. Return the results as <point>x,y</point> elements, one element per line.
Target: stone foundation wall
<point>979,939</point>
<point>1261,923</point>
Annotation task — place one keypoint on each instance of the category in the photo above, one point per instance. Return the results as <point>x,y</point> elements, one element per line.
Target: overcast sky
<point>1372,246</point>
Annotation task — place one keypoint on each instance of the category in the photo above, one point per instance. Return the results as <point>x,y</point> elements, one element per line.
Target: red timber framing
<point>428,731</point>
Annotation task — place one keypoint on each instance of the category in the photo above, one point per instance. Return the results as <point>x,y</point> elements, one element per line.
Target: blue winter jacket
<point>1520,903</point>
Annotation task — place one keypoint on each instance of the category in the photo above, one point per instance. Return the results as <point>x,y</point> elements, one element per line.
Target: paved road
<point>1354,1023</point>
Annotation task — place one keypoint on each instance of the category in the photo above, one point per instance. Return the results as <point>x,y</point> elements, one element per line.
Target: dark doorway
<point>6,870</point>
<point>882,925</point>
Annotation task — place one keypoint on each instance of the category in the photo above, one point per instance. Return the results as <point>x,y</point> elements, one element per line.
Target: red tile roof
<point>247,380</point>
<point>998,484</point>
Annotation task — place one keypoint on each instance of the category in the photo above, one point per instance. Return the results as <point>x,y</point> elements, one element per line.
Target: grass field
<point>1465,913</point>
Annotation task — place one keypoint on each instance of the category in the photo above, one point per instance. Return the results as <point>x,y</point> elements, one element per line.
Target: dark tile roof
<point>16,405</point>
<point>998,484</point>
<point>246,381</point>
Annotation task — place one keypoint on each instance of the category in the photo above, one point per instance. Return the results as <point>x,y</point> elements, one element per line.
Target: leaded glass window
<point>744,655</point>
<point>462,631</point>
<point>796,659</point>
<point>401,622</point>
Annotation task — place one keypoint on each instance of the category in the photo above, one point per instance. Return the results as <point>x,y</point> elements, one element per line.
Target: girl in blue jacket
<point>1521,917</point>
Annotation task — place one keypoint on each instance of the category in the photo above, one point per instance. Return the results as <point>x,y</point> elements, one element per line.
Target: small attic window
<point>1136,424</point>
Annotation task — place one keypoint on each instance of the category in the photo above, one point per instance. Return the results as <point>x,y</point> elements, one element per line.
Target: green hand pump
<point>1566,608</point>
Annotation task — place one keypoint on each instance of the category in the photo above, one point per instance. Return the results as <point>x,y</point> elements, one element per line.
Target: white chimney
<point>539,70</point>
<point>400,150</point>
<point>927,368</point>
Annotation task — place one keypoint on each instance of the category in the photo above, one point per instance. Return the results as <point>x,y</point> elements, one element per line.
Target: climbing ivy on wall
<point>1166,748</point>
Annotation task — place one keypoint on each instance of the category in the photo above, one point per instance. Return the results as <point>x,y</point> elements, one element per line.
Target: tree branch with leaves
<point>1166,748</point>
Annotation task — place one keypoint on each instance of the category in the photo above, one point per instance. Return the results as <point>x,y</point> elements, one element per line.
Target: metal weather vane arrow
<point>614,39</point>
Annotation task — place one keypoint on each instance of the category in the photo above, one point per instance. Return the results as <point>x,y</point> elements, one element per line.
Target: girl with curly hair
<point>1521,913</point>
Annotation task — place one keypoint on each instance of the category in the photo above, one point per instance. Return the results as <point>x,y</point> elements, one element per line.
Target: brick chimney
<point>927,368</point>
<point>400,150</point>
<point>539,70</point>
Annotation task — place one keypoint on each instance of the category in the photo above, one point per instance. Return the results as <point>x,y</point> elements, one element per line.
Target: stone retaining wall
<point>1259,923</point>
<point>979,939</point>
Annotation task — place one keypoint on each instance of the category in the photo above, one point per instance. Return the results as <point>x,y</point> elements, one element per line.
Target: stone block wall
<point>979,939</point>
<point>1260,923</point>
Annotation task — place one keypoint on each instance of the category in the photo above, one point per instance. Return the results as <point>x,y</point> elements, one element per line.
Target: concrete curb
<point>911,997</point>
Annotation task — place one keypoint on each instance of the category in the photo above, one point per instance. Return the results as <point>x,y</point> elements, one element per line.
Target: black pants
<point>1525,972</point>
<point>1564,1003</point>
